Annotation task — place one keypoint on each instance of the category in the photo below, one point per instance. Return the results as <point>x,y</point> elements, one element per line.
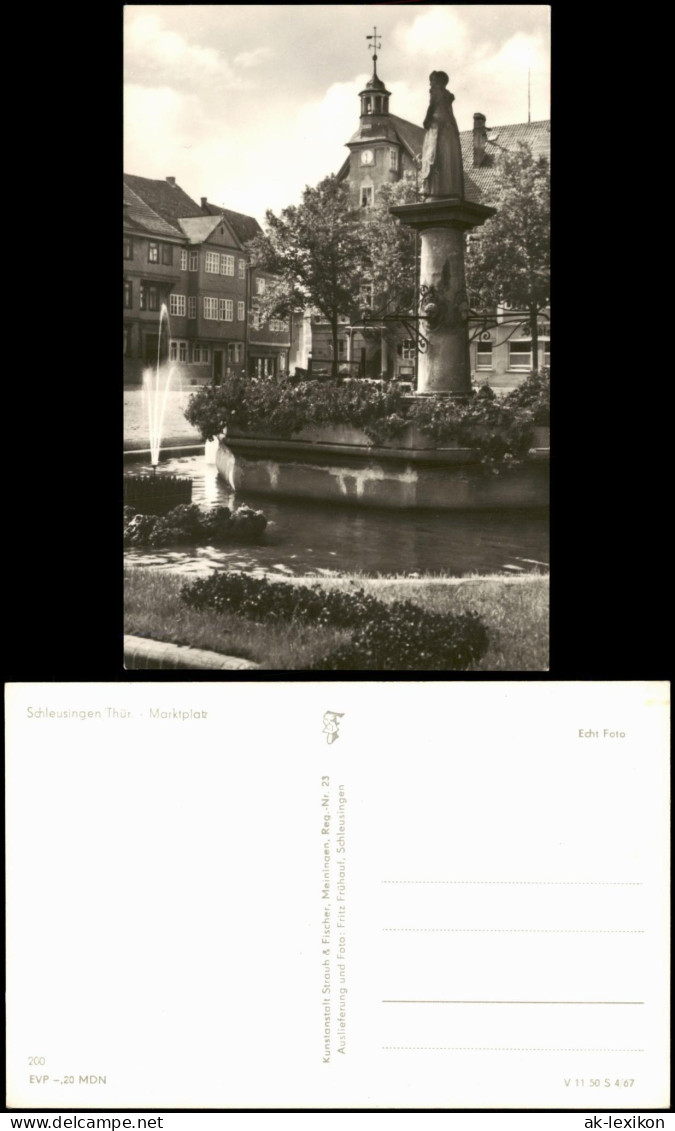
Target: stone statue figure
<point>441,154</point>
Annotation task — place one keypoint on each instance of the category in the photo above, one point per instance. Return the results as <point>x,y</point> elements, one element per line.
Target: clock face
<point>367,157</point>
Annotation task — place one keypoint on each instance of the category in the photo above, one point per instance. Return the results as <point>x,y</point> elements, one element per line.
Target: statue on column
<point>441,154</point>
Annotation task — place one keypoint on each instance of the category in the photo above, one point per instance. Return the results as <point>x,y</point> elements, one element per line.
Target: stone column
<point>445,366</point>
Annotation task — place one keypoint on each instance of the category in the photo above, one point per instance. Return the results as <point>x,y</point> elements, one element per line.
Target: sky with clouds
<point>246,104</point>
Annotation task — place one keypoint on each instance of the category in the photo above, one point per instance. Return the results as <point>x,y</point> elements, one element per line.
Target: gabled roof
<point>199,228</point>
<point>139,216</point>
<point>168,201</point>
<point>244,227</point>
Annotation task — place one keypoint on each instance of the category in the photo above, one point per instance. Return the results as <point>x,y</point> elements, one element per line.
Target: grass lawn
<point>515,611</point>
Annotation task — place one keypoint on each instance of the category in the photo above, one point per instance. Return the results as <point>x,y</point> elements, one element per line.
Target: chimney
<point>204,203</point>
<point>172,181</point>
<point>479,139</point>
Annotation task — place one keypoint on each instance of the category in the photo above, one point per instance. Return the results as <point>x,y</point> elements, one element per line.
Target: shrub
<point>399,636</point>
<point>406,638</point>
<point>189,523</point>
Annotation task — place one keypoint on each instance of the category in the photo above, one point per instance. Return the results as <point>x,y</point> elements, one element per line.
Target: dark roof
<point>375,82</point>
<point>168,201</point>
<point>139,216</point>
<point>244,227</point>
<point>479,180</point>
<point>411,135</point>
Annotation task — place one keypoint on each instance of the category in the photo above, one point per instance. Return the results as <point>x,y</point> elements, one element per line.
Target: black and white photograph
<point>337,338</point>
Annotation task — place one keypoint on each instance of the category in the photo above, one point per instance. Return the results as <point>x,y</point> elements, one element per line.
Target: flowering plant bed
<point>500,430</point>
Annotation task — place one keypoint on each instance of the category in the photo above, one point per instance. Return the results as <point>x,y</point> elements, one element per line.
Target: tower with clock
<point>384,146</point>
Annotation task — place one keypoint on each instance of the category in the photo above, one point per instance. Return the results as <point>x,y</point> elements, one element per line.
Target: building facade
<point>192,259</point>
<point>381,151</point>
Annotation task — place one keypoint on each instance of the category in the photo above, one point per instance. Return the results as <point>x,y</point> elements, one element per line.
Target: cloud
<point>187,143</point>
<point>148,41</point>
<point>440,30</point>
<point>252,58</point>
<point>500,78</point>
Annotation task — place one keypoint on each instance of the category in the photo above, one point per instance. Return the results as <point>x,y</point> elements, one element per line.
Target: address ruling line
<point>480,1001</point>
<point>522,930</point>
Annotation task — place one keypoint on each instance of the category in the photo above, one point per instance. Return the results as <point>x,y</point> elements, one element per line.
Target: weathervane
<point>374,44</point>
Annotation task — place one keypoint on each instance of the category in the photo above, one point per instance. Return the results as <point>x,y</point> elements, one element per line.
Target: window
<point>226,310</point>
<point>177,305</point>
<point>408,350</point>
<point>128,295</point>
<point>366,196</point>
<point>393,159</point>
<point>128,245</point>
<point>211,309</point>
<point>255,318</point>
<point>227,265</point>
<point>153,253</point>
<point>178,351</point>
<point>212,265</point>
<point>545,351</point>
<point>241,314</point>
<point>167,253</point>
<point>192,307</point>
<point>368,106</point>
<point>366,295</point>
<point>278,325</point>
<point>194,260</point>
<point>200,354</point>
<point>520,353</point>
<point>260,286</point>
<point>242,268</point>
<point>183,260</point>
<point>149,297</point>
<point>342,346</point>
<point>483,355</point>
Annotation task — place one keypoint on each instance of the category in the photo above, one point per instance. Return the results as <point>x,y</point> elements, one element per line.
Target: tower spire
<point>375,46</point>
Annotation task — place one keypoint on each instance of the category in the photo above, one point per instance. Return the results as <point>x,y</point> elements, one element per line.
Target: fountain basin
<point>447,478</point>
<point>156,494</point>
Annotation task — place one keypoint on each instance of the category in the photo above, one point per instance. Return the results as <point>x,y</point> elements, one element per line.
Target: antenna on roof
<point>528,96</point>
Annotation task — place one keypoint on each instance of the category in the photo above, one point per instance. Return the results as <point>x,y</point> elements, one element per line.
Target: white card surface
<point>338,895</point>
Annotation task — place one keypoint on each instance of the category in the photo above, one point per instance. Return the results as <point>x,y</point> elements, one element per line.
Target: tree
<point>391,247</point>
<point>318,253</point>
<point>509,263</point>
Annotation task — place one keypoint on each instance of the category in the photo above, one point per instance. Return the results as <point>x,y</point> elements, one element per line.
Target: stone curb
<point>139,652</point>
